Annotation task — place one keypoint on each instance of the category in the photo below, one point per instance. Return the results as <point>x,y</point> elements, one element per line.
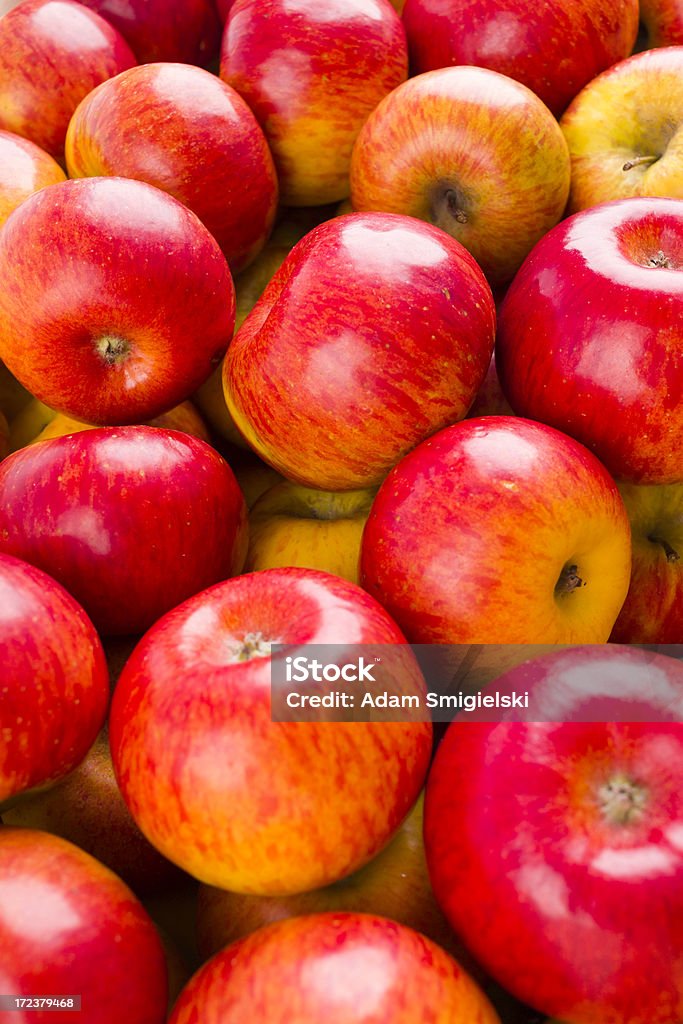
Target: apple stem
<point>569,580</point>
<point>622,800</point>
<point>639,161</point>
<point>112,348</point>
<point>671,554</point>
<point>453,200</point>
<point>254,645</point>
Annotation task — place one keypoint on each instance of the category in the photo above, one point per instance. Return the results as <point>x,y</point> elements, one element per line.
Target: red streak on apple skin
<point>234,798</point>
<point>131,520</point>
<point>54,684</point>
<point>52,53</point>
<point>575,914</point>
<point>342,968</point>
<point>188,32</point>
<point>69,926</point>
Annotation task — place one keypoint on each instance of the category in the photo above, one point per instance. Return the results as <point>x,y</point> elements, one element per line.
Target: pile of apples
<point>340,322</point>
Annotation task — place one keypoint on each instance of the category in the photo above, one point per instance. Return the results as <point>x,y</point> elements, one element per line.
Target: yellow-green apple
<point>499,530</point>
<point>24,169</point>
<point>471,151</point>
<point>131,520</point>
<point>653,610</point>
<point>70,927</point>
<point>590,336</point>
<point>294,525</point>
<point>180,128</point>
<point>29,422</point>
<point>194,743</point>
<point>312,73</point>
<point>553,844</point>
<point>116,302</point>
<point>375,332</point>
<point>55,686</point>
<point>625,131</point>
<point>87,809</point>
<point>662,21</point>
<point>342,968</point>
<point>254,476</point>
<point>554,47</point>
<point>158,31</point>
<point>52,53</point>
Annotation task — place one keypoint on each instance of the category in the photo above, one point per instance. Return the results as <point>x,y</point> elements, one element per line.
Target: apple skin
<point>118,249</point>
<point>193,741</point>
<point>188,32</point>
<point>568,892</point>
<point>182,417</point>
<point>312,75</point>
<point>471,151</point>
<point>55,690</point>
<point>181,527</point>
<point>472,537</point>
<point>589,336</point>
<point>52,53</point>
<point>653,610</point>
<point>663,21</point>
<point>69,926</point>
<point>24,169</point>
<point>182,129</point>
<point>605,149</point>
<point>375,332</point>
<point>553,48</point>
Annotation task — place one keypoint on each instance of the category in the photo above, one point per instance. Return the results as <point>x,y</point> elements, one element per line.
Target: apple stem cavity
<point>621,800</point>
<point>671,554</point>
<point>454,207</point>
<point>639,161</point>
<point>112,349</point>
<point>569,581</point>
<point>254,645</point>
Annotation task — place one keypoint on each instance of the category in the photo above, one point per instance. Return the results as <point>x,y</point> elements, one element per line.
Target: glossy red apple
<point>52,53</point>
<point>157,30</point>
<point>588,337</point>
<point>117,303</point>
<point>554,48</point>
<point>342,968</point>
<point>554,845</point>
<point>183,130</point>
<point>375,332</point>
<point>194,743</point>
<point>54,688</point>
<point>24,168</point>
<point>131,520</point>
<point>70,927</point>
<point>312,73</point>
<point>499,530</point>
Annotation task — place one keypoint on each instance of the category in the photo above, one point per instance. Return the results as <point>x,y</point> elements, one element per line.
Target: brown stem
<point>639,161</point>
<point>453,201</point>
<point>622,801</point>
<point>112,348</point>
<point>569,580</point>
<point>671,554</point>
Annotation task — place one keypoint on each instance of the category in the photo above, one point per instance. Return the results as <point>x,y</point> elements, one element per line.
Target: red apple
<point>554,48</point>
<point>341,968</point>
<point>499,530</point>
<point>588,338</point>
<point>663,22</point>
<point>471,151</point>
<point>52,53</point>
<point>24,168</point>
<point>224,7</point>
<point>312,73</point>
<point>375,332</point>
<point>185,131</point>
<point>131,520</point>
<point>54,687</point>
<point>116,301</point>
<point>554,845</point>
<point>195,747</point>
<point>69,927</point>
<point>158,30</point>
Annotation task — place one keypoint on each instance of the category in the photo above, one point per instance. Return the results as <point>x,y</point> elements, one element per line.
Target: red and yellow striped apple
<point>188,32</point>
<point>24,169</point>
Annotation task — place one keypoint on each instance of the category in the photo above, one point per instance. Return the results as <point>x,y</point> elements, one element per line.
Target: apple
<point>24,169</point>
<point>663,22</point>
<point>294,525</point>
<point>55,686</point>
<point>499,530</point>
<point>131,520</point>
<point>588,337</point>
<point>552,844</point>
<point>653,610</point>
<point>342,968</point>
<point>124,296</point>
<point>195,746</point>
<point>52,53</point>
<point>182,417</point>
<point>254,477</point>
<point>471,151</point>
<point>633,153</point>
<point>375,332</point>
<point>70,927</point>
<point>312,73</point>
<point>182,129</point>
<point>554,48</point>
<point>224,7</point>
<point>188,32</point>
